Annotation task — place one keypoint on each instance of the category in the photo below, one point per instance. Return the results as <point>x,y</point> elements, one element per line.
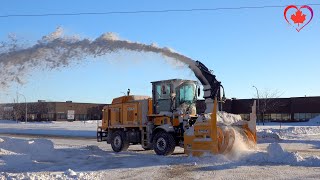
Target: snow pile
<point>303,130</point>
<point>267,134</point>
<point>228,118</point>
<point>92,121</point>
<point>277,155</point>
<point>223,118</point>
<point>70,173</point>
<point>286,132</point>
<point>315,121</point>
<point>35,150</point>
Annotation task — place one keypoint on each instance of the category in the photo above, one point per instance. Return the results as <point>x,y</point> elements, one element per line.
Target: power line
<point>148,11</point>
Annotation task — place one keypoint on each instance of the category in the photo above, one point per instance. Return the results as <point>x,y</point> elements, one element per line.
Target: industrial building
<point>273,109</point>
<point>50,111</point>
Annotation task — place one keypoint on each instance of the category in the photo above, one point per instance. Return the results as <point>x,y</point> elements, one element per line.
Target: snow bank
<point>34,150</point>
<point>267,134</point>
<point>286,132</point>
<point>277,155</point>
<point>315,121</point>
<point>55,128</point>
<point>303,130</point>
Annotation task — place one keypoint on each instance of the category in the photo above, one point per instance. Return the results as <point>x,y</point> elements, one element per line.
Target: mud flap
<point>101,135</point>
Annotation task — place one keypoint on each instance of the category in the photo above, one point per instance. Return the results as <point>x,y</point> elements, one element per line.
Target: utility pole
<point>258,108</point>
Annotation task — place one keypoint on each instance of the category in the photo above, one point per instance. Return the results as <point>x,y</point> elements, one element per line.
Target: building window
<point>267,116</point>
<point>273,116</point>
<point>32,116</point>
<point>61,116</point>
<point>285,117</point>
<point>51,116</point>
<point>44,116</point>
<point>80,117</point>
<point>308,116</point>
<point>280,117</point>
<point>302,116</point>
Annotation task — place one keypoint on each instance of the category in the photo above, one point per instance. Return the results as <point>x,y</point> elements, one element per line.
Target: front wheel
<point>164,143</point>
<point>119,141</point>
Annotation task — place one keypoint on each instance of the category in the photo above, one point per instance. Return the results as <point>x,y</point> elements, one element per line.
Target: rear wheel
<point>119,141</point>
<point>164,143</point>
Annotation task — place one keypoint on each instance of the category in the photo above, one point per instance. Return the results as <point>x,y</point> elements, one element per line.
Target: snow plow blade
<point>207,137</point>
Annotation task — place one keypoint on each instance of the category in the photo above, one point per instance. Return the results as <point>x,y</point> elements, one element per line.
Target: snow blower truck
<point>169,119</point>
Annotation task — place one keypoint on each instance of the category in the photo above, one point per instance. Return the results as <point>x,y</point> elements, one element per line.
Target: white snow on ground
<point>289,130</point>
<point>294,153</point>
<point>54,128</point>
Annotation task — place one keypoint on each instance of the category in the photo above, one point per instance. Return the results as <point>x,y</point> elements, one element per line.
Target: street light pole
<point>258,109</point>
<point>25,100</point>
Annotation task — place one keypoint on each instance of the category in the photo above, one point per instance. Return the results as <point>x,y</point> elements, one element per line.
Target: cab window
<point>186,94</point>
<point>163,91</point>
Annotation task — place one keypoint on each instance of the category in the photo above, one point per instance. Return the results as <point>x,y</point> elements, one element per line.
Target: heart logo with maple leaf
<point>298,17</point>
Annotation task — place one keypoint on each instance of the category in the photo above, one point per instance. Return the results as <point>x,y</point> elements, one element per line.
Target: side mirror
<point>198,91</point>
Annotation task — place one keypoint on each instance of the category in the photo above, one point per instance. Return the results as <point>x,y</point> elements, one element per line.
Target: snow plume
<point>57,50</point>
<point>241,145</point>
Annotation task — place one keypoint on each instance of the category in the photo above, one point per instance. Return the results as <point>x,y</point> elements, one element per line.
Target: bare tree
<point>268,101</point>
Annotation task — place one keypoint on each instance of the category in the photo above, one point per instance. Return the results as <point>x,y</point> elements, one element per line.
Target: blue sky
<point>242,47</point>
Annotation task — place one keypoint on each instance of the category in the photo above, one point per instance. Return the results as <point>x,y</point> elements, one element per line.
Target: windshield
<point>163,91</point>
<point>186,94</point>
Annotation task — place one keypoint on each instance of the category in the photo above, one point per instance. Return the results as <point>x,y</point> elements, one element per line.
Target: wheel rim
<point>117,141</point>
<point>161,144</point>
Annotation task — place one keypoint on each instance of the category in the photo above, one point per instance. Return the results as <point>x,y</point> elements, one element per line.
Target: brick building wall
<point>273,109</point>
<point>51,111</point>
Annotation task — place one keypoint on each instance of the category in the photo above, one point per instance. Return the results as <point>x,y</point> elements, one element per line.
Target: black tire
<point>164,143</point>
<point>119,141</point>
